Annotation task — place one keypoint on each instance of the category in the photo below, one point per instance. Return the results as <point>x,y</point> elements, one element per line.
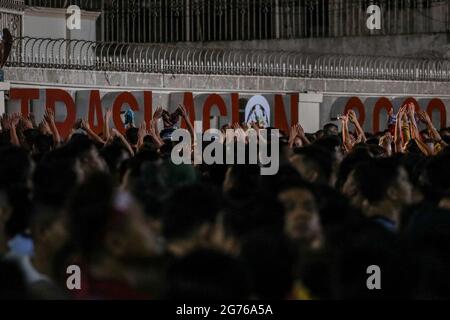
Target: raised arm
<point>415,135</point>
<point>292,136</point>
<point>398,137</point>
<point>154,130</point>
<point>413,124</point>
<point>13,122</point>
<point>301,134</point>
<point>116,133</point>
<point>433,132</point>
<point>106,131</point>
<point>87,128</point>
<point>185,116</point>
<point>386,143</point>
<point>359,131</point>
<point>49,116</point>
<point>345,134</point>
<point>141,135</point>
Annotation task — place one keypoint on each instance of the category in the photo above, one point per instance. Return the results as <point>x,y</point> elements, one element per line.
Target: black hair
<point>188,208</point>
<point>112,154</point>
<point>374,177</point>
<point>15,173</point>
<point>269,260</point>
<point>328,127</point>
<point>15,167</point>
<point>207,275</point>
<point>436,177</point>
<point>358,155</point>
<point>362,244</point>
<point>132,135</point>
<point>319,159</point>
<point>89,213</point>
<point>427,237</point>
<point>55,178</point>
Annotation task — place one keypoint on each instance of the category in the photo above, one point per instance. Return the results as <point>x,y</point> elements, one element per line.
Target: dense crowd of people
<point>140,227</point>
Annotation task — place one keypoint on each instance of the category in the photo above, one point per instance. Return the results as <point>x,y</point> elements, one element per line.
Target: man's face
<point>332,131</point>
<point>302,220</point>
<point>307,172</point>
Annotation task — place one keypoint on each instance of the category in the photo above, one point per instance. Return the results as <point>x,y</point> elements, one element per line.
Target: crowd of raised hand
<point>140,227</point>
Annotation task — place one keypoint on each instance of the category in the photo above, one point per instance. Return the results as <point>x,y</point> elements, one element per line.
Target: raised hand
<point>300,130</point>
<point>5,122</point>
<point>14,120</point>
<point>411,109</point>
<point>352,116</point>
<point>158,113</point>
<point>108,115</point>
<point>49,116</point>
<point>386,139</point>
<point>85,125</point>
<point>44,127</point>
<point>391,112</point>
<point>26,123</point>
<point>142,131</point>
<point>424,117</point>
<point>183,111</point>
<point>114,133</point>
<point>344,119</point>
<point>293,133</point>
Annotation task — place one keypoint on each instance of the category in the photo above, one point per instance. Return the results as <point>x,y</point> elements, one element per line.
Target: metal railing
<point>169,59</point>
<point>11,16</point>
<point>162,21</point>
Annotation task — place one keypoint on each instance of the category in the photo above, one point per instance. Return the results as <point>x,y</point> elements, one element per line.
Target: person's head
<point>301,213</point>
<point>269,261</point>
<point>132,135</point>
<point>16,167</point>
<point>114,155</point>
<point>314,164</point>
<point>206,274</point>
<point>106,223</point>
<point>55,178</point>
<point>16,170</point>
<point>240,217</point>
<point>359,246</point>
<point>383,182</point>
<point>43,145</point>
<point>334,208</point>
<point>435,178</point>
<point>333,145</point>
<point>427,234</point>
<point>444,132</point>
<point>413,147</point>
<point>358,155</point>
<point>330,129</point>
<point>319,134</point>
<point>189,217</point>
<point>87,153</point>
<point>242,179</point>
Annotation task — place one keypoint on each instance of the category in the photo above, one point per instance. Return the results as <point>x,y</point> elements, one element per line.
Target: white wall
<point>51,23</point>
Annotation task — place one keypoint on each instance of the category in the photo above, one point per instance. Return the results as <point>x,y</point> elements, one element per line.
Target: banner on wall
<point>278,110</point>
<point>213,109</point>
